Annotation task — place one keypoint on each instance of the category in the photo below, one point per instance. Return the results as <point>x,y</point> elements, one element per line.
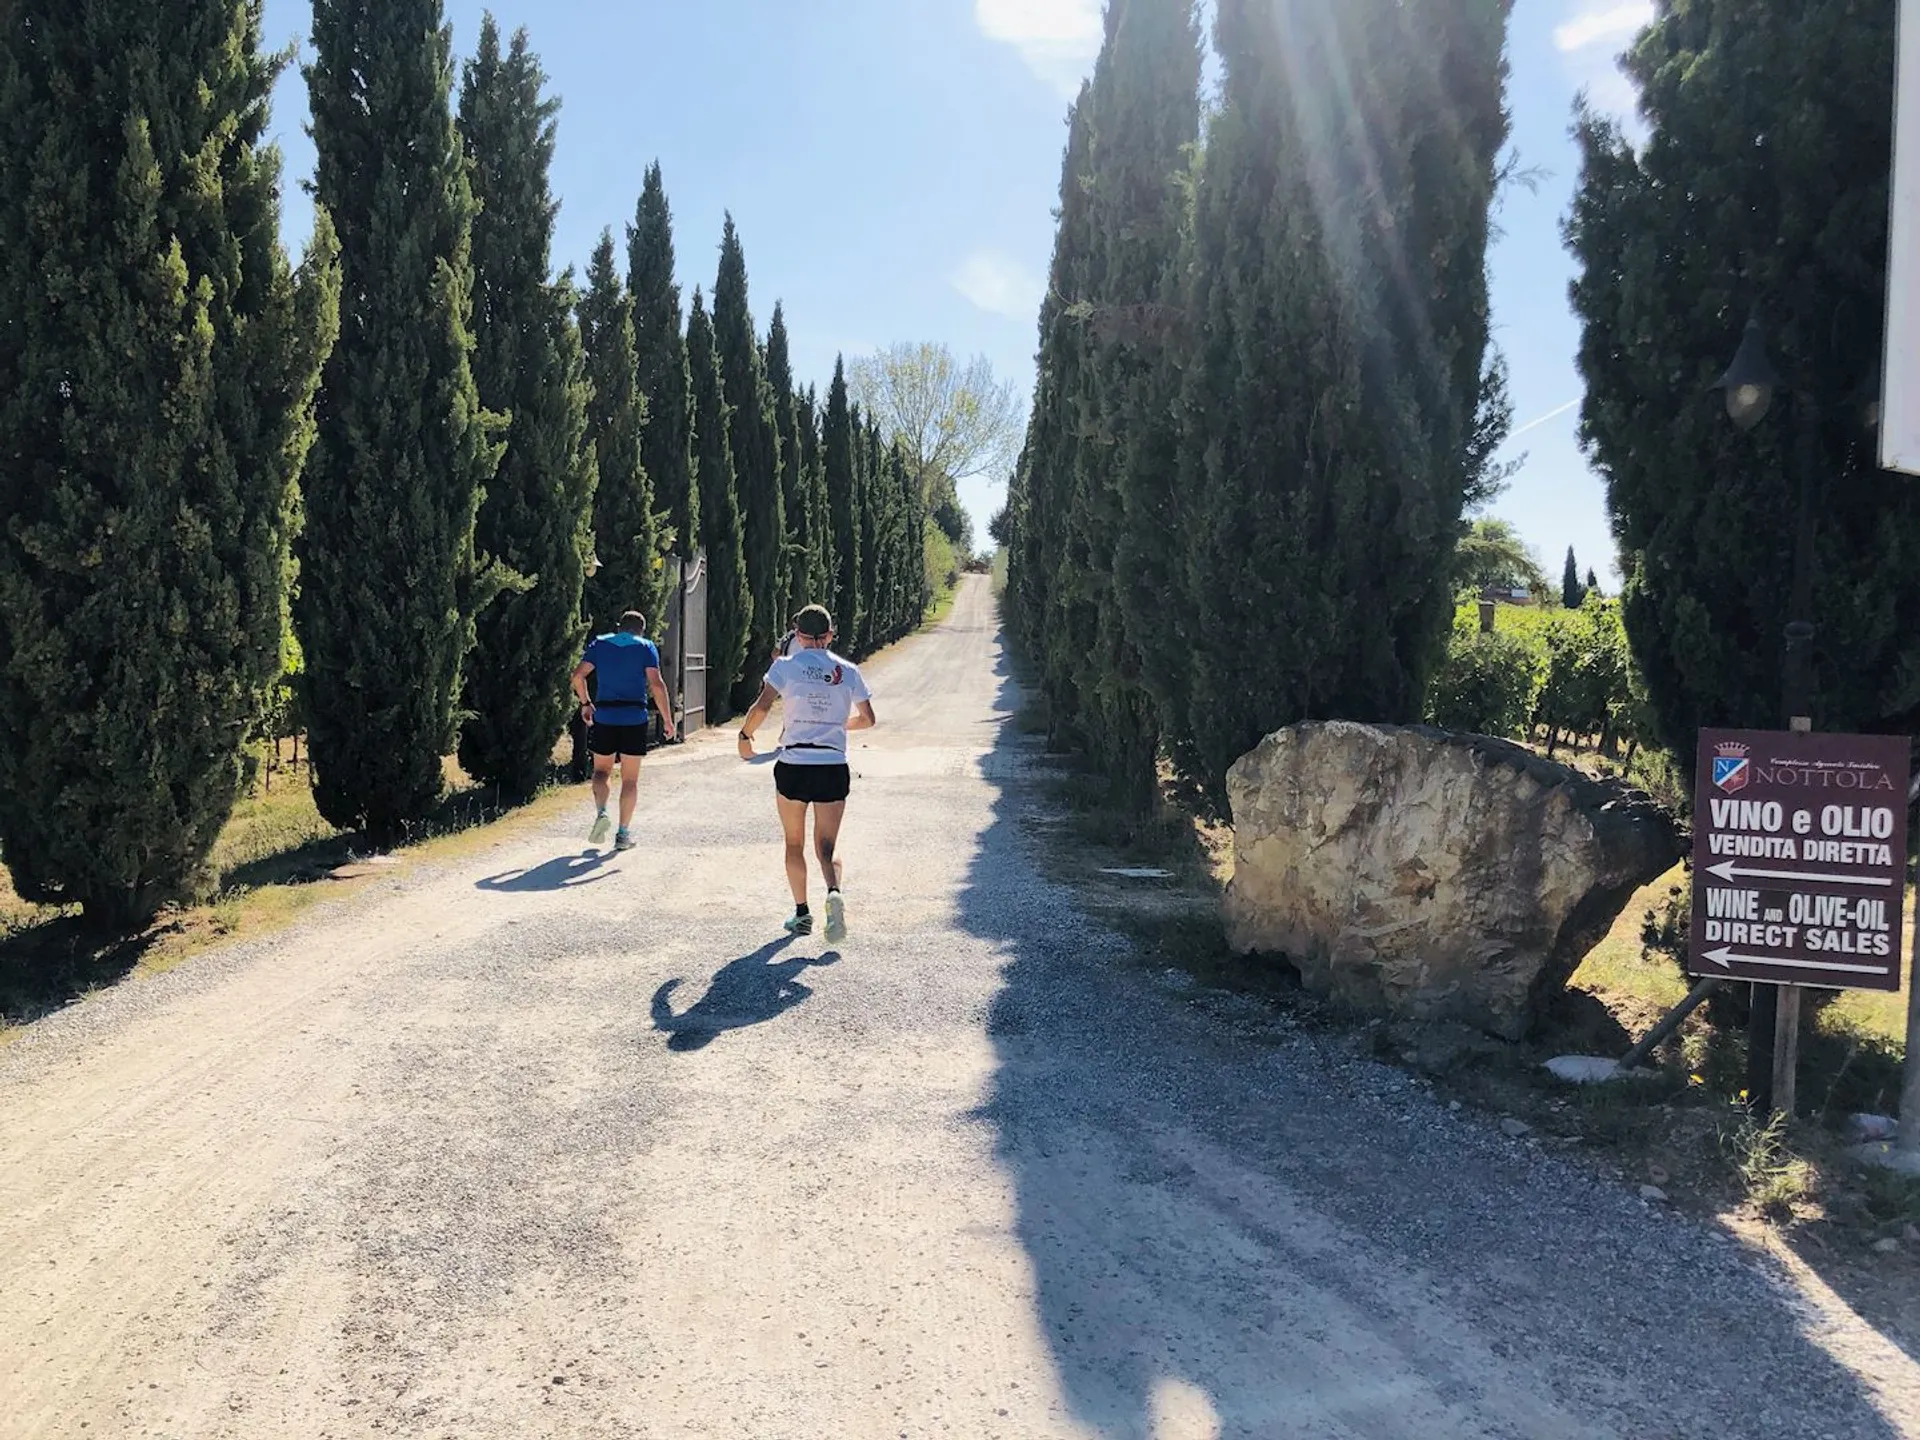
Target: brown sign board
<point>1799,858</point>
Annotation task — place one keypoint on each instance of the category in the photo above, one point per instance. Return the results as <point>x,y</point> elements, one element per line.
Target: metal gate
<point>683,648</point>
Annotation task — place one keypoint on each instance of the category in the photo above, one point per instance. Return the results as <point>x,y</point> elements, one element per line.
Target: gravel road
<point>545,1143</point>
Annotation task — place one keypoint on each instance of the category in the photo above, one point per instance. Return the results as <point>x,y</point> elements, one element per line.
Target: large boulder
<point>1432,877</point>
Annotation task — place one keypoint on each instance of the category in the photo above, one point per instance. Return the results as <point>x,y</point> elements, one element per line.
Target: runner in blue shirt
<point>628,665</point>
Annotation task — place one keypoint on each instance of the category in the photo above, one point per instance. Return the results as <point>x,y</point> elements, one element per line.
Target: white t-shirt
<point>818,690</point>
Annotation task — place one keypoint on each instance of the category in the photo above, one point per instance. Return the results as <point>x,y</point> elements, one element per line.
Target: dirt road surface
<point>560,1144</point>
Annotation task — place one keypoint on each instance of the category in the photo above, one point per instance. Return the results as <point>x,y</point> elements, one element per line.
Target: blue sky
<point>893,167</point>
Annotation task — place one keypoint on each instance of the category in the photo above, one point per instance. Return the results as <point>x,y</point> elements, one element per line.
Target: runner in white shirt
<point>824,697</point>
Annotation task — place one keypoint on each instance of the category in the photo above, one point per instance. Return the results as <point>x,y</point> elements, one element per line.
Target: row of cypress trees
<point>406,449</point>
<point>1265,397</point>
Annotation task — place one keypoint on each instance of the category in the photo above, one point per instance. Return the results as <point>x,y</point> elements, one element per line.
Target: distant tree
<point>628,534</point>
<point>1572,592</point>
<point>666,445</point>
<point>755,441</point>
<point>1593,583</point>
<point>729,601</point>
<point>527,364</point>
<point>955,420</point>
<point>390,577</point>
<point>1729,206</point>
<point>157,378</point>
<point>1491,554</point>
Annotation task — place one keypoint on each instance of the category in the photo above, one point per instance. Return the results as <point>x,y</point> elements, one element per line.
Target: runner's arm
<point>762,708</point>
<point>579,682</point>
<point>657,688</point>
<point>862,717</point>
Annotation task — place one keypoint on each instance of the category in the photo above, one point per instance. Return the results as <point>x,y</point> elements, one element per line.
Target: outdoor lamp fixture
<point>1751,380</point>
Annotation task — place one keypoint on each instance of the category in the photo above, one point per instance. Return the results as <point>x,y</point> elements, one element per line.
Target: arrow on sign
<point>1727,959</point>
<point>1727,869</point>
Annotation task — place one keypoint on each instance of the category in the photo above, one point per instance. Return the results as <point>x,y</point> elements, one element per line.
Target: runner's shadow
<point>748,991</point>
<point>565,872</point>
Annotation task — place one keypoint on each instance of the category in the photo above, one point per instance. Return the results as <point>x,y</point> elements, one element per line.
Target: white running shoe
<point>602,828</point>
<point>836,918</point>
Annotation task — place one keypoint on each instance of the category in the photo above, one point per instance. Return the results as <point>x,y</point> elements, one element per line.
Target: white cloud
<point>1615,24</point>
<point>1590,43</point>
<point>999,285</point>
<point>1058,39</point>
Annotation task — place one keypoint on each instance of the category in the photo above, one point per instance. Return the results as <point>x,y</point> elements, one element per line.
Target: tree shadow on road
<point>564,872</point>
<point>752,990</point>
<point>1236,1227</point>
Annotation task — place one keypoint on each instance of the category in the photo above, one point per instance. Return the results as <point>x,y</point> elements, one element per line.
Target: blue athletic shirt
<point>620,663</point>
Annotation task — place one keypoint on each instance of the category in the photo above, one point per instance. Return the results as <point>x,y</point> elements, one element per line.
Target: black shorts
<point>619,739</point>
<point>812,784</point>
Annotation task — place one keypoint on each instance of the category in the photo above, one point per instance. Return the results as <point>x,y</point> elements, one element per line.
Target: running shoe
<point>602,827</point>
<point>623,841</point>
<point>836,918</point>
<point>799,925</point>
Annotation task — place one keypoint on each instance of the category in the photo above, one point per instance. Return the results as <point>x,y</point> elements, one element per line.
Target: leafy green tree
<point>838,441</point>
<point>1761,185</point>
<point>955,421</point>
<point>796,482</point>
<point>756,464</point>
<point>729,601</point>
<point>1491,555</point>
<point>1337,391</point>
<point>666,444</point>
<point>390,577</point>
<point>1572,592</point>
<point>157,379</point>
<point>627,532</point>
<point>527,365</point>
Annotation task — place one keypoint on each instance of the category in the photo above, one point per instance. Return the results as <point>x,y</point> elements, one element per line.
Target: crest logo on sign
<point>1731,768</point>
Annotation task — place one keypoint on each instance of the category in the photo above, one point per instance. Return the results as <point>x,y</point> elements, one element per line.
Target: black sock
<point>833,890</point>
<point>801,909</point>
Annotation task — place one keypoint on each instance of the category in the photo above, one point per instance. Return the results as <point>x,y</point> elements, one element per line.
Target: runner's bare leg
<point>826,835</point>
<point>793,825</point>
<point>629,789</point>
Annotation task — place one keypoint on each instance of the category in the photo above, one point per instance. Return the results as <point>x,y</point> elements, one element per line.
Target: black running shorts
<point>812,784</point>
<point>619,740</point>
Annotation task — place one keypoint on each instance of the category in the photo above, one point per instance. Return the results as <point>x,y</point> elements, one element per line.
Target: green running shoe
<point>602,827</point>
<point>799,925</point>
<point>836,918</point>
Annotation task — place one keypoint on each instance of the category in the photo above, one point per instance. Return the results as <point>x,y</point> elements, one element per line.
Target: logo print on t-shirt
<point>839,675</point>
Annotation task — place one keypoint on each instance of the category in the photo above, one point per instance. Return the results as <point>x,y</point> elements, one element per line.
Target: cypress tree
<point>626,531</point>
<point>1335,396</point>
<point>156,405</point>
<point>666,445</point>
<point>1041,570</point>
<point>391,579</point>
<point>820,553</point>
<point>1146,92</point>
<point>729,602</point>
<point>869,477</point>
<point>1729,208</point>
<point>1572,593</point>
<point>756,462</point>
<point>527,365</point>
<point>796,494</point>
<point>838,457</point>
